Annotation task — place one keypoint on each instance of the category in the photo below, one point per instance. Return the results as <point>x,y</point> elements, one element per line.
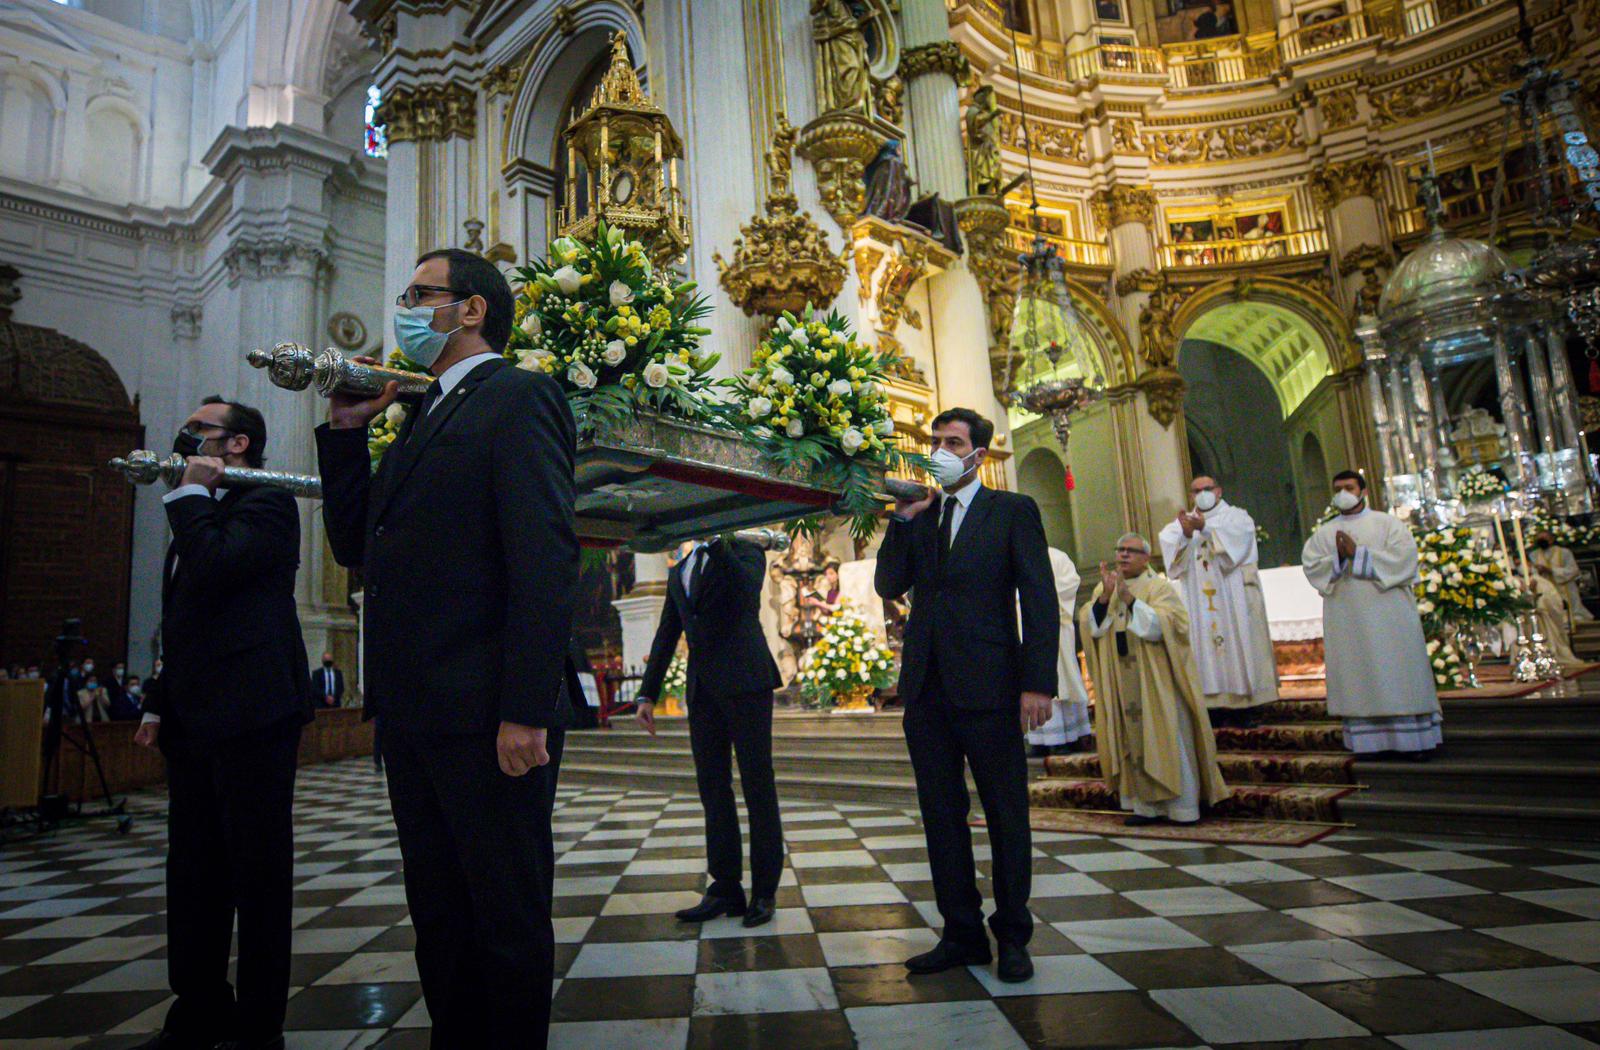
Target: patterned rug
<point>1306,802</point>
<point>1237,767</point>
<point>1304,736</point>
<point>1219,831</point>
<point>1496,679</point>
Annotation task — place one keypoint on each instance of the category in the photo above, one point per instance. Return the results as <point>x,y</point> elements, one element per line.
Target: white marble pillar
<point>934,104</point>
<point>640,611</point>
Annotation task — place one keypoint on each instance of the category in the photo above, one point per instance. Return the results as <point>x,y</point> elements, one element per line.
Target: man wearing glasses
<point>464,536</point>
<point>226,713</point>
<point>971,688</point>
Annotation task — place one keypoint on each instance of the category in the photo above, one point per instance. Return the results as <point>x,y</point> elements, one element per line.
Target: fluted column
<point>1349,195</point>
<point>930,65</point>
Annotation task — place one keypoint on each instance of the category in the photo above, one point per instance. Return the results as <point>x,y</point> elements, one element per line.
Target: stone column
<point>640,611</point>
<point>1349,195</point>
<point>931,66</point>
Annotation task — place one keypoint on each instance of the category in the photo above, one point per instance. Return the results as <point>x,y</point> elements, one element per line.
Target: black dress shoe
<point>760,912</point>
<point>947,955</point>
<point>1137,821</point>
<point>1015,966</point>
<point>710,907</point>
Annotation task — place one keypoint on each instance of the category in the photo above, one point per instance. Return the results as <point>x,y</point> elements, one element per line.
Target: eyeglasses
<point>1132,550</point>
<point>412,295</point>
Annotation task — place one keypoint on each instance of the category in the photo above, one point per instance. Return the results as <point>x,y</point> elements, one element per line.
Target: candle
<point>1522,550</point>
<point>1500,535</point>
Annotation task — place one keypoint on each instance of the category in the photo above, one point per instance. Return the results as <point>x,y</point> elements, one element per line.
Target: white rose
<point>883,427</point>
<point>869,388</point>
<point>796,428</point>
<point>656,375</point>
<point>799,338</point>
<point>839,387</point>
<point>840,673</point>
<point>783,377</point>
<point>620,293</point>
<point>531,326</point>
<point>614,353</point>
<point>395,414</point>
<point>851,440</point>
<point>759,407</point>
<point>533,360</point>
<point>581,376</point>
<point>784,326</point>
<point>567,280</point>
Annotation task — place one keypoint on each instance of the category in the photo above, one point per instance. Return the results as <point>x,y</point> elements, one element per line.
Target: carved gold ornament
<point>1333,184</point>
<point>983,222</point>
<point>1481,74</point>
<point>839,146</point>
<point>502,79</point>
<point>945,56</point>
<point>1339,109</point>
<point>890,259</point>
<point>1125,204</point>
<point>844,82</point>
<point>1163,390</point>
<point>1125,136</point>
<point>428,113</point>
<point>1046,139</point>
<point>984,174</point>
<point>1157,341</point>
<point>781,260</point>
<point>1224,142</point>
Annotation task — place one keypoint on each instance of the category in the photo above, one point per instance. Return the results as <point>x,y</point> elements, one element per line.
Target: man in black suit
<point>226,714</point>
<point>327,683</point>
<point>714,596</point>
<point>971,689</point>
<point>469,563</point>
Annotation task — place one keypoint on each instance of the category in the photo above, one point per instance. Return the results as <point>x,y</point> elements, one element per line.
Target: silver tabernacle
<point>295,367</point>
<point>143,467</point>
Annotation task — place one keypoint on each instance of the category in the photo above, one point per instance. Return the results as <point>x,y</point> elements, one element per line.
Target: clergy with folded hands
<point>1156,747</point>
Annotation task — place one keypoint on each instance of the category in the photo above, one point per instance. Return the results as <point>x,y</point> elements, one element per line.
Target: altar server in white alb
<point>1069,712</point>
<point>1211,555</point>
<point>1364,563</point>
<point>1556,564</point>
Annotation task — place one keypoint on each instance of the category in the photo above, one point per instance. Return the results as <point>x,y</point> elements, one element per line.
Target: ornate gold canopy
<point>622,156</point>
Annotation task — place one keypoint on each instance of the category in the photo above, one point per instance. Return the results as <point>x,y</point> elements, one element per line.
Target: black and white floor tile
<point>1359,941</point>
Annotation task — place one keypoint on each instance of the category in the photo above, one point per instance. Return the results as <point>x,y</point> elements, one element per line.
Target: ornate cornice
<point>944,56</point>
<point>429,113</point>
<point>1333,184</point>
<point>1140,280</point>
<point>1364,257</point>
<point>1339,110</point>
<point>1217,143</point>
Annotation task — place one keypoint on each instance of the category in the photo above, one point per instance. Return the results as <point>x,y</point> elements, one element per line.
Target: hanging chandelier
<point>1053,370</point>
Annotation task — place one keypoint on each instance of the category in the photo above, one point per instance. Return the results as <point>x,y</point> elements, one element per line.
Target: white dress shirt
<point>963,497</point>
<point>457,372</point>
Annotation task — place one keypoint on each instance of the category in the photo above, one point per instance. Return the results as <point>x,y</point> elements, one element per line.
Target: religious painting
<point>1255,227</point>
<point>1182,21</point>
<point>1109,11</point>
<point>1192,230</point>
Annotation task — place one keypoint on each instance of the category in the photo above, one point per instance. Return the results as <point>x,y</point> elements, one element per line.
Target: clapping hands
<point>1191,521</point>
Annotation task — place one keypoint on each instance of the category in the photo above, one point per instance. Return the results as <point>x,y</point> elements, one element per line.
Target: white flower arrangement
<point>847,659</point>
<point>1477,485</point>
<point>676,679</point>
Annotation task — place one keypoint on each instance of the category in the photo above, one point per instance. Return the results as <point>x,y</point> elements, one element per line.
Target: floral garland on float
<point>815,395</point>
<point>846,665</point>
<point>1461,587</point>
<point>616,333</point>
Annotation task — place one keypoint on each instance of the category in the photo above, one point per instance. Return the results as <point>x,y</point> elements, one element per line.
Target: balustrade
<point>1244,249</point>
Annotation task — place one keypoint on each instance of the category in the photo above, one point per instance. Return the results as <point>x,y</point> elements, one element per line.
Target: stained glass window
<point>377,144</point>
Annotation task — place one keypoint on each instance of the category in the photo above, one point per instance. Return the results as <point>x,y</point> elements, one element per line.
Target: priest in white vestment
<point>1211,555</point>
<point>1551,617</point>
<point>1069,713</point>
<point>1364,563</point>
<point>1156,748</point>
<point>1556,563</point>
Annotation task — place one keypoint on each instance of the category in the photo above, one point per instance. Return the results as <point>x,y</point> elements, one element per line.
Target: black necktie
<point>428,400</point>
<point>946,518</point>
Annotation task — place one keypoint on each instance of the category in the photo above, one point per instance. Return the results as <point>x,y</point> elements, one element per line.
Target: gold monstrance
<point>629,155</point>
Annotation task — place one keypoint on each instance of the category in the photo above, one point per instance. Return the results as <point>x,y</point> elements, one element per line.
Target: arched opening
<point>27,127</point>
<point>114,175</point>
<point>1042,475</point>
<point>66,520</point>
<point>1314,480</point>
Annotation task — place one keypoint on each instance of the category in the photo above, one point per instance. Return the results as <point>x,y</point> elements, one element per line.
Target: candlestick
<point>1500,535</point>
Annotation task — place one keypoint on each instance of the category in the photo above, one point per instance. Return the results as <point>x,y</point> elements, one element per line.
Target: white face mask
<point>1345,500</point>
<point>948,468</point>
<point>1205,499</point>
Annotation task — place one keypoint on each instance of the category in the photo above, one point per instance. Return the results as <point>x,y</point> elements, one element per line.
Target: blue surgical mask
<point>413,329</point>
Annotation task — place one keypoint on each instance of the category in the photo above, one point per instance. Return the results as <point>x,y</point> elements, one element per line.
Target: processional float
<point>647,484</point>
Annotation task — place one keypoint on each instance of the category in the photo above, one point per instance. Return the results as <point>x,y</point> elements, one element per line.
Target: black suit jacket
<point>966,609</point>
<point>469,561</point>
<point>728,654</point>
<point>319,684</point>
<point>233,658</point>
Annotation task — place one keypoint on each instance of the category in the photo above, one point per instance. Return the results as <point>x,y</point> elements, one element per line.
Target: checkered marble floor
<point>1358,941</point>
